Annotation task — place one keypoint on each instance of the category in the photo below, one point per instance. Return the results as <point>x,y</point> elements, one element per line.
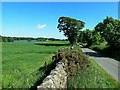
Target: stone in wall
<point>56,79</point>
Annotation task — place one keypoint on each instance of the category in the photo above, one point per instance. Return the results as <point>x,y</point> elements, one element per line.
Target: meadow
<point>22,64</point>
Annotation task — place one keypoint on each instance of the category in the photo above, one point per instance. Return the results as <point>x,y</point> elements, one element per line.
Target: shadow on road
<point>95,54</point>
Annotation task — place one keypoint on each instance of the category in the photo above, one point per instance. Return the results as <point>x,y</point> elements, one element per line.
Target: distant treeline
<point>12,39</point>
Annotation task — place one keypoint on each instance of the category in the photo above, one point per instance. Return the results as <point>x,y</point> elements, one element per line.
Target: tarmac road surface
<point>110,65</point>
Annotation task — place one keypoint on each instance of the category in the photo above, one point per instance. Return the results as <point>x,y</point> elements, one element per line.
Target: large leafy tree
<point>70,28</point>
<point>90,37</point>
<point>110,30</point>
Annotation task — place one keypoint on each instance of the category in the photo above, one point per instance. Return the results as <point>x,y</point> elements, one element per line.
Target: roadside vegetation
<point>91,77</point>
<point>105,38</point>
<point>88,74</point>
<point>106,32</point>
<point>83,71</point>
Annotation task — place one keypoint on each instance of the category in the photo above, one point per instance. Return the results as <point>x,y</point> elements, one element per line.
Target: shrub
<point>73,60</point>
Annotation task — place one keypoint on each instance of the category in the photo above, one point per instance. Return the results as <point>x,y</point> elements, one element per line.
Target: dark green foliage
<point>7,39</point>
<point>0,38</point>
<point>12,39</point>
<point>73,59</point>
<point>90,37</point>
<point>4,39</point>
<point>70,28</point>
<point>29,39</point>
<point>110,30</point>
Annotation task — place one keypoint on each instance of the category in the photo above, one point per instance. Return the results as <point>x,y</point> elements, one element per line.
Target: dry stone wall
<point>56,79</point>
<point>67,61</point>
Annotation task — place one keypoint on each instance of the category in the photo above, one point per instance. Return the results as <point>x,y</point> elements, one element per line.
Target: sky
<point>40,19</point>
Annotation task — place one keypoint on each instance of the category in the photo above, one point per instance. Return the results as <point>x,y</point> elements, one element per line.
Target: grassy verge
<point>22,64</point>
<point>77,48</point>
<point>92,77</point>
<point>107,51</point>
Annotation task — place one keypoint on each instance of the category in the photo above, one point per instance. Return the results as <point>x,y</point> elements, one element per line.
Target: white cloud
<point>41,26</point>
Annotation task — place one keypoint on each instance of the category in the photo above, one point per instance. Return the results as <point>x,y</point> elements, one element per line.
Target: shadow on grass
<point>46,73</point>
<point>51,44</point>
<point>46,52</point>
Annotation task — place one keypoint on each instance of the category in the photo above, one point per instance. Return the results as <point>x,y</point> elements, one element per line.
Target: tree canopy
<point>70,28</point>
<point>110,30</point>
<point>90,37</point>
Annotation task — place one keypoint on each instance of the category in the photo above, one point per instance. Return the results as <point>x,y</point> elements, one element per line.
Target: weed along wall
<point>57,77</point>
<point>67,63</point>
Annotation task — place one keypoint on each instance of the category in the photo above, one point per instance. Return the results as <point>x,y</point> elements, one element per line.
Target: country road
<point>111,66</point>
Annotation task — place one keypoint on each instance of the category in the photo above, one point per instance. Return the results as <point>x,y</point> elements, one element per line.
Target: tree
<point>96,38</point>
<point>81,37</point>
<point>29,39</point>
<point>10,39</point>
<point>70,28</point>
<point>89,37</point>
<point>110,30</point>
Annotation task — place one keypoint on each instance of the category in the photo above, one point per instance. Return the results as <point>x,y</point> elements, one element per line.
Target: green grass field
<point>22,66</point>
<point>22,63</point>
<point>92,77</point>
<point>53,42</point>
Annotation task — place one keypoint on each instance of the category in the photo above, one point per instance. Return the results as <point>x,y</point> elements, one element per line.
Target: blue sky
<point>39,19</point>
